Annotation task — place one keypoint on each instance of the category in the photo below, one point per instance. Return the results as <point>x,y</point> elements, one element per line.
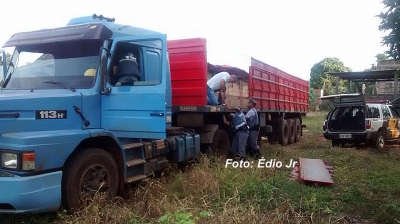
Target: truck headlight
<point>9,160</point>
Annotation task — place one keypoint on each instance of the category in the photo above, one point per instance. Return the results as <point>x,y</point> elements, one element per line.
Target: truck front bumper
<point>32,194</point>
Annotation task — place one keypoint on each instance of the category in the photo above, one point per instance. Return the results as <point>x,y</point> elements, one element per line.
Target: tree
<point>312,100</point>
<point>381,57</point>
<point>8,59</point>
<point>320,78</point>
<point>390,21</point>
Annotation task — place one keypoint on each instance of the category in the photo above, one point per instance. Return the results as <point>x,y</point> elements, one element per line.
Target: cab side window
<point>373,112</point>
<point>136,64</point>
<point>385,112</point>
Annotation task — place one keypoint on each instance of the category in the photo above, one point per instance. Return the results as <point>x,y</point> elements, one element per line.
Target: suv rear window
<point>373,112</point>
<point>350,118</point>
<point>342,111</point>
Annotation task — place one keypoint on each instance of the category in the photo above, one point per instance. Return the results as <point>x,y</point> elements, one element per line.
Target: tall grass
<point>367,189</point>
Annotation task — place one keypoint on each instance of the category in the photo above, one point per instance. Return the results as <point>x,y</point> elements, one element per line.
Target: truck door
<point>137,109</point>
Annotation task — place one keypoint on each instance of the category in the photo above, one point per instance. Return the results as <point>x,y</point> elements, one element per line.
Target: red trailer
<point>282,98</point>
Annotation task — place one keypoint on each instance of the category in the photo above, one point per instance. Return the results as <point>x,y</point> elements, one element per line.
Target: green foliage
<point>312,100</point>
<point>8,59</point>
<point>381,57</point>
<point>319,77</point>
<point>326,105</point>
<point>204,214</point>
<point>178,217</point>
<point>134,219</point>
<point>390,21</point>
<point>370,88</point>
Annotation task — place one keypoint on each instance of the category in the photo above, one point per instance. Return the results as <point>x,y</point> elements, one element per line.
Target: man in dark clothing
<point>254,125</point>
<point>241,131</point>
<point>127,71</point>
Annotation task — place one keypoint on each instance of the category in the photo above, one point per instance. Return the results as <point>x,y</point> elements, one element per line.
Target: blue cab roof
<point>118,30</point>
<point>81,28</point>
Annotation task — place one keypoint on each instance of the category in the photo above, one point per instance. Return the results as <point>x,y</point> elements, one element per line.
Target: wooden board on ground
<point>314,171</point>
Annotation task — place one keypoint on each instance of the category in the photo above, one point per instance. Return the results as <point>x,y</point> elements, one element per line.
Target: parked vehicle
<point>353,121</point>
<point>67,130</point>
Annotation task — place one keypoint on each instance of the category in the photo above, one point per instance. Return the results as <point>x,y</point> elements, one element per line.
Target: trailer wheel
<point>284,132</point>
<point>298,129</point>
<point>292,131</point>
<point>220,145</point>
<point>88,173</point>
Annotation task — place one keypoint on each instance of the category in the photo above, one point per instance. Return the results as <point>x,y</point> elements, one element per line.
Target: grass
<point>366,190</point>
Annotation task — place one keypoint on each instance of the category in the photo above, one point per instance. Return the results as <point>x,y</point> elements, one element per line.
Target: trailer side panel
<point>275,90</point>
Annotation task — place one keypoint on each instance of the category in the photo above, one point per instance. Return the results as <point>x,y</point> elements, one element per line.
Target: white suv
<point>354,121</point>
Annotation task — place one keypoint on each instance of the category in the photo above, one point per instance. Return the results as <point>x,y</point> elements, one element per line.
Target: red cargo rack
<point>275,90</point>
<point>188,65</point>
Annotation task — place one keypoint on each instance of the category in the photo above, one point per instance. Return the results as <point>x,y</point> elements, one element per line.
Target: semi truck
<point>67,130</point>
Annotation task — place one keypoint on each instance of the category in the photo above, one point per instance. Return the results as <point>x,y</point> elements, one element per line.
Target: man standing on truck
<point>241,131</point>
<point>254,127</point>
<point>218,84</point>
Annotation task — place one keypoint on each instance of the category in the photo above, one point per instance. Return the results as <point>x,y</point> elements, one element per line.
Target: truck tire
<point>380,141</point>
<point>284,132</point>
<point>292,131</point>
<point>220,145</point>
<point>297,124</point>
<point>90,171</point>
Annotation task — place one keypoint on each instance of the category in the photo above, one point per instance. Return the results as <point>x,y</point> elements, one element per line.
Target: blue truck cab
<point>74,122</point>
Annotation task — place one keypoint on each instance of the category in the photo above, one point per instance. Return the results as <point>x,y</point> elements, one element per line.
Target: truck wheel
<point>220,145</point>
<point>292,131</point>
<point>298,129</point>
<point>284,132</point>
<point>380,140</point>
<point>91,171</point>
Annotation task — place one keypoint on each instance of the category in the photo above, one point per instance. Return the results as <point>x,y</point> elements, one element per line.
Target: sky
<point>291,35</point>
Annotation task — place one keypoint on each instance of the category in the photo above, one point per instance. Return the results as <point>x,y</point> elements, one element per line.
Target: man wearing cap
<point>254,127</point>
<point>241,131</point>
<point>218,84</point>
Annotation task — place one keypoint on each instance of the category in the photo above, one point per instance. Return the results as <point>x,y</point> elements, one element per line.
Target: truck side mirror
<point>3,63</point>
<point>103,69</point>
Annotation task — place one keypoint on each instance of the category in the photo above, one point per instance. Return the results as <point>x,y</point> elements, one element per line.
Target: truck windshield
<point>54,66</point>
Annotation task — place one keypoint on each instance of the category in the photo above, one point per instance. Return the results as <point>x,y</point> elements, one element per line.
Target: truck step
<point>132,145</point>
<point>135,178</point>
<point>135,162</point>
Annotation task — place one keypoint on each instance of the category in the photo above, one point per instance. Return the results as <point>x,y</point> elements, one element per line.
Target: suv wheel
<point>380,140</point>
